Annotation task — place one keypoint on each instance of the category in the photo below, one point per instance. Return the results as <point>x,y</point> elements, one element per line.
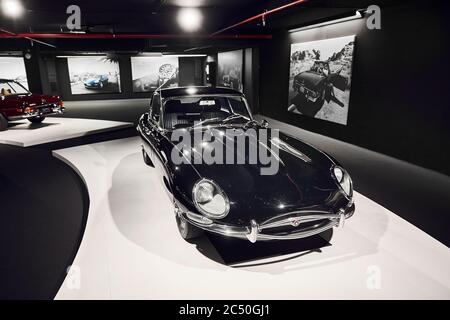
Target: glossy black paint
<point>297,185</point>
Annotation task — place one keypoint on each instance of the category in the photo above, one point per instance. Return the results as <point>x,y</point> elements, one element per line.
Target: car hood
<point>303,179</point>
<point>310,79</point>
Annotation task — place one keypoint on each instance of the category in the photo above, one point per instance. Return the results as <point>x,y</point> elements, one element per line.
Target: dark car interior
<point>184,112</point>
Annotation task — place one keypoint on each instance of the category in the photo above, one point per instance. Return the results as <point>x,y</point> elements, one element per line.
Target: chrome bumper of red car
<point>297,225</point>
<point>41,111</point>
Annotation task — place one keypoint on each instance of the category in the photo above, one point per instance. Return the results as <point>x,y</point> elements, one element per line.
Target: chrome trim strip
<point>55,110</point>
<point>254,231</point>
<point>297,220</point>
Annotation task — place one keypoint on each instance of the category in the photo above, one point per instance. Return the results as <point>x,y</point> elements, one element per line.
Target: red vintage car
<point>17,103</point>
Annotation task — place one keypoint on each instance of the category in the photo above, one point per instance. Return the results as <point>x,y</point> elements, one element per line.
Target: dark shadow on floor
<point>89,139</point>
<point>30,126</point>
<point>44,207</point>
<point>236,251</point>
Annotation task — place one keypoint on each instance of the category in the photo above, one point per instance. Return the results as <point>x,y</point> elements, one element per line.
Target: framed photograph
<point>13,68</point>
<point>320,78</point>
<point>230,66</point>
<point>93,75</point>
<point>149,73</point>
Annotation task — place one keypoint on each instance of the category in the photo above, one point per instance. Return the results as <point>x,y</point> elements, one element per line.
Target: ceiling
<point>150,16</point>
<point>154,17</point>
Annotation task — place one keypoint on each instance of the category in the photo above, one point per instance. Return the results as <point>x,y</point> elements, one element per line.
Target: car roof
<point>194,91</point>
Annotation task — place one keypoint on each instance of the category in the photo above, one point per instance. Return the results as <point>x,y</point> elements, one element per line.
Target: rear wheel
<point>3,123</point>
<point>36,119</point>
<point>187,230</point>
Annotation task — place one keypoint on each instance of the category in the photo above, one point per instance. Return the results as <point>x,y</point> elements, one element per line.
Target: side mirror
<point>264,123</point>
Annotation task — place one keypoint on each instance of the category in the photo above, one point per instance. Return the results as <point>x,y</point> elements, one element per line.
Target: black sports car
<point>307,194</point>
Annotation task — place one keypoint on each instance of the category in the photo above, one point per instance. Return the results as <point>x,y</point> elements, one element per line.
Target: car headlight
<point>344,180</point>
<point>210,200</point>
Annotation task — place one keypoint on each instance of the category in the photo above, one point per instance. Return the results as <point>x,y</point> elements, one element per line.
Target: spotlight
<point>12,8</point>
<point>190,19</point>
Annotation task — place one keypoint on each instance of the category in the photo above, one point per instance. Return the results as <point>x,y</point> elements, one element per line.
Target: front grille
<point>289,229</point>
<point>297,221</point>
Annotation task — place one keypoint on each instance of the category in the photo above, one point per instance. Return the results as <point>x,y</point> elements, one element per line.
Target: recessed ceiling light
<point>190,19</point>
<point>12,8</point>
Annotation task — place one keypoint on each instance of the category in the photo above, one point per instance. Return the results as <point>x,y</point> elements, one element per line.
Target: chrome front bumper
<point>38,113</point>
<point>254,231</point>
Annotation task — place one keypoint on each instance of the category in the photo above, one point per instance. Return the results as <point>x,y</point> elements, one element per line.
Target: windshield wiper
<point>229,118</point>
<point>233,116</point>
<point>204,121</point>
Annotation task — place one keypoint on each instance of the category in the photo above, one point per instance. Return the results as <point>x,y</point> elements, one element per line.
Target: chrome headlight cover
<point>210,199</point>
<point>344,180</point>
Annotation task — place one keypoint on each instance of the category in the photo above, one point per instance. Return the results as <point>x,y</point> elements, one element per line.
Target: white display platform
<point>24,134</point>
<point>131,248</point>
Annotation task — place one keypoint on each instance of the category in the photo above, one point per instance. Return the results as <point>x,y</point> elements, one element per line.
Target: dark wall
<point>33,67</point>
<point>251,78</point>
<point>191,71</point>
<point>399,103</point>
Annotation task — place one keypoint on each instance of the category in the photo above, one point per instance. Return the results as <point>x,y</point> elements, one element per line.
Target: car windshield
<point>185,112</point>
<point>12,88</point>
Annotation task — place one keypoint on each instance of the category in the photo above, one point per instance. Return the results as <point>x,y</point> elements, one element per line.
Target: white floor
<point>131,248</point>
<point>23,133</point>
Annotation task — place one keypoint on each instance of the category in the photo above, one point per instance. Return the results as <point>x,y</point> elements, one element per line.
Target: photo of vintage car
<point>17,103</point>
<point>316,85</point>
<point>320,76</point>
<point>97,82</point>
<point>309,194</point>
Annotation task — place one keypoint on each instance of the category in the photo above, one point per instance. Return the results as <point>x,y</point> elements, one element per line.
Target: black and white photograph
<point>91,75</point>
<point>320,78</point>
<point>149,73</point>
<point>13,68</point>
<point>230,66</point>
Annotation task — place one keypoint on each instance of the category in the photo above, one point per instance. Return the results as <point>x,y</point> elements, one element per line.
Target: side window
<point>155,108</point>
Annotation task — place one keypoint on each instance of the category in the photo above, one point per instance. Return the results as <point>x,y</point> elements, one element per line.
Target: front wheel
<point>36,119</point>
<point>187,230</point>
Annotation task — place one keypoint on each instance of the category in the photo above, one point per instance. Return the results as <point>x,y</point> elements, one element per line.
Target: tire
<point>147,159</point>
<point>36,119</point>
<point>3,123</point>
<point>187,230</point>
